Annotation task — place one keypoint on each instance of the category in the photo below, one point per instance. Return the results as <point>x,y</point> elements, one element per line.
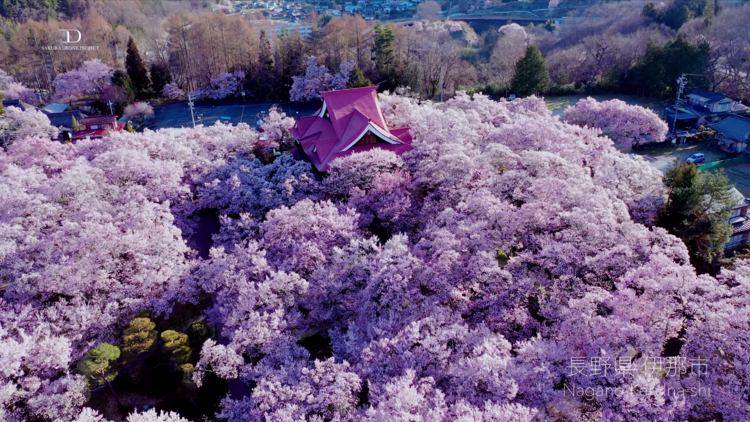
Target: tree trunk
<point>112,390</point>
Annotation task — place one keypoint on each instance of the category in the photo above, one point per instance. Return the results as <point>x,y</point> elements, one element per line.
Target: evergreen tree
<point>697,208</point>
<point>199,332</point>
<point>532,75</point>
<point>358,79</point>
<point>139,337</point>
<point>265,72</point>
<point>160,77</point>
<point>384,37</point>
<point>121,79</point>
<point>136,69</point>
<point>291,58</point>
<point>656,71</point>
<point>611,79</point>
<point>97,366</point>
<point>177,345</point>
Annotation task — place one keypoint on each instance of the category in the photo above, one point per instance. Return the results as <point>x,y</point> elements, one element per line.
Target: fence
<point>722,163</point>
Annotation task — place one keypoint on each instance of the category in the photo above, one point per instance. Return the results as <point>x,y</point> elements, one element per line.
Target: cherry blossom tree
<point>13,90</point>
<point>508,50</point>
<point>622,122</point>
<point>276,128</point>
<point>222,86</point>
<point>139,112</point>
<point>433,313</point>
<point>151,415</point>
<point>35,377</point>
<point>504,269</point>
<point>172,91</point>
<point>89,80</point>
<point>16,123</point>
<point>317,79</point>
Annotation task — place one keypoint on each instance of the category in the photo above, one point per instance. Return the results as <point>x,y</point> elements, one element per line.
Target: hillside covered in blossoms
<point>506,269</point>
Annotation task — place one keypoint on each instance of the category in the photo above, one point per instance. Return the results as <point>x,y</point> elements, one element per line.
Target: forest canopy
<point>506,269</point>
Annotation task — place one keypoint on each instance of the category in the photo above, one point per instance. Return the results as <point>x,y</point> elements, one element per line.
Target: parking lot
<point>207,113</point>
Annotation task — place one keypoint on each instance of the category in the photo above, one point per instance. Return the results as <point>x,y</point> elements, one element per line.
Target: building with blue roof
<point>732,133</point>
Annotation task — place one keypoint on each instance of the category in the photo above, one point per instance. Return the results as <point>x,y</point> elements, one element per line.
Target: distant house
<point>740,221</point>
<point>711,101</point>
<point>701,107</point>
<point>732,133</point>
<point>16,103</point>
<point>64,122</point>
<point>349,121</point>
<point>97,126</point>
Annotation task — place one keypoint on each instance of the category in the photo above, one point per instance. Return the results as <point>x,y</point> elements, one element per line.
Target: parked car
<point>696,158</point>
<point>511,97</point>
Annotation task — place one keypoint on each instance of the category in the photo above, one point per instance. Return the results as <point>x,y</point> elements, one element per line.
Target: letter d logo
<point>67,36</point>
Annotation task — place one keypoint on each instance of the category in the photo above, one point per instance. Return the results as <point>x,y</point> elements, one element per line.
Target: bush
<point>139,337</point>
<point>567,89</point>
<point>176,344</point>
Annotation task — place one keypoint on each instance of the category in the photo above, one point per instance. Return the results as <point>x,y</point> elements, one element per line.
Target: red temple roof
<point>337,128</point>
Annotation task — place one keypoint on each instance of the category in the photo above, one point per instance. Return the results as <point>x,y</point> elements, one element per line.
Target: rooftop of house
<point>96,133</point>
<point>733,128</point>
<point>708,95</point>
<point>98,120</point>
<point>55,108</point>
<point>65,118</point>
<point>738,198</point>
<point>741,225</point>
<point>15,103</point>
<point>344,119</point>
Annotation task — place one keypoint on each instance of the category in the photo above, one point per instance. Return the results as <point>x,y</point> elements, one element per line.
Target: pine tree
<point>266,71</point>
<point>136,69</point>
<point>98,366</point>
<point>532,75</point>
<point>139,337</point>
<point>358,79</point>
<point>122,79</point>
<point>384,37</point>
<point>697,208</point>
<point>160,77</point>
<point>177,345</point>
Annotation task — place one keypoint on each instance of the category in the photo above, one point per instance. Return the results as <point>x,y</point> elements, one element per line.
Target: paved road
<point>663,158</point>
<point>178,114</point>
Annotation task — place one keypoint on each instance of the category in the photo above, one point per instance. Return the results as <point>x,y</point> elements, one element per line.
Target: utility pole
<point>681,82</point>
<point>111,111</point>
<point>190,104</point>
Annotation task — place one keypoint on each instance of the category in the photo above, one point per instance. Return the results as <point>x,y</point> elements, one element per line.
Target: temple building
<point>349,121</point>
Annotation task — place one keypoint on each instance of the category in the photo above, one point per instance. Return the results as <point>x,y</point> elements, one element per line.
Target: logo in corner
<point>68,33</point>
